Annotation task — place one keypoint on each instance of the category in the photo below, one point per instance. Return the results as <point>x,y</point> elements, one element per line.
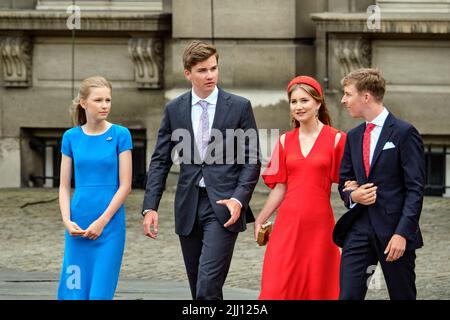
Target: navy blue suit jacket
<point>225,178</point>
<point>399,174</point>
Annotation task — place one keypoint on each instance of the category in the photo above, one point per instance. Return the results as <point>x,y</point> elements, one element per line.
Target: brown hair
<point>323,115</point>
<point>367,79</point>
<point>76,110</point>
<point>198,51</point>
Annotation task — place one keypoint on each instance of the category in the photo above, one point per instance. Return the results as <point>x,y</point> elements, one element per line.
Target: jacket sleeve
<point>160,165</point>
<point>346,172</point>
<point>249,174</point>
<point>413,164</point>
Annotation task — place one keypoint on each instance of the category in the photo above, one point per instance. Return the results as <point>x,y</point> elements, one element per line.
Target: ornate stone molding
<point>400,23</point>
<point>113,5</point>
<point>90,21</point>
<point>147,55</point>
<point>15,55</point>
<point>353,54</point>
<point>408,6</point>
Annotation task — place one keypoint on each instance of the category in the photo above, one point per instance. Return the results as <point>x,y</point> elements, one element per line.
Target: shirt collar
<point>211,99</point>
<point>381,118</point>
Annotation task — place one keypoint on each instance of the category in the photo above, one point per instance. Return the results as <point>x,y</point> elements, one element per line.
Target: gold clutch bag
<point>264,233</point>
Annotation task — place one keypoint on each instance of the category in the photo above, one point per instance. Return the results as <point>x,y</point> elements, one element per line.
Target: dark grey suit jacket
<point>224,175</point>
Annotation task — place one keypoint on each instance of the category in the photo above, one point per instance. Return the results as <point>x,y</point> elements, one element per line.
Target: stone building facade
<point>137,45</point>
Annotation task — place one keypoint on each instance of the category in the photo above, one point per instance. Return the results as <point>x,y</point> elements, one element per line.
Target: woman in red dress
<point>301,261</point>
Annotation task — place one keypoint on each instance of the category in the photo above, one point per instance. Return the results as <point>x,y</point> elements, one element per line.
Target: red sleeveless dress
<point>301,261</point>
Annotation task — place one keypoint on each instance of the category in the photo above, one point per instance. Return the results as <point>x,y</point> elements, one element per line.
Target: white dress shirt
<point>195,118</point>
<point>374,136</point>
<point>197,112</point>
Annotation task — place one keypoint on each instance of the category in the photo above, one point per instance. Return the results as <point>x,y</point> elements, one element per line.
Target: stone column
<point>447,175</point>
<point>9,162</point>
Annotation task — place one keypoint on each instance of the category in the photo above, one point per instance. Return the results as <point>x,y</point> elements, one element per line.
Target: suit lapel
<point>185,110</point>
<point>359,161</point>
<point>385,134</point>
<point>222,109</point>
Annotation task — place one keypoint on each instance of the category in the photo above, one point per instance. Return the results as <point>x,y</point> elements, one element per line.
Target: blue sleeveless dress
<point>91,268</point>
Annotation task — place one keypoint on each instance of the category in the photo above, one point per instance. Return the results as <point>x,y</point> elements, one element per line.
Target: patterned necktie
<point>366,147</point>
<point>203,129</point>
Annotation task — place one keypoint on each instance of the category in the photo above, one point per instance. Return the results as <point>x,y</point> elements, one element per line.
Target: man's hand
<point>365,194</point>
<point>235,210</point>
<point>151,219</point>
<point>395,248</point>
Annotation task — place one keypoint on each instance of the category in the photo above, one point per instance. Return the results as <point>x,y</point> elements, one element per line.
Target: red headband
<point>305,80</point>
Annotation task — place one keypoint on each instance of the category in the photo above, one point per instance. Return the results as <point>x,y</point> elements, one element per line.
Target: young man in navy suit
<point>385,157</point>
<point>218,171</point>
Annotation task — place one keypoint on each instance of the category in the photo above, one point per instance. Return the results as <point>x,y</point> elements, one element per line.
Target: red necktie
<point>366,147</point>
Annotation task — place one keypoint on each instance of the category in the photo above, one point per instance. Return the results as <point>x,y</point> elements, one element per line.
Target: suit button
<point>203,165</point>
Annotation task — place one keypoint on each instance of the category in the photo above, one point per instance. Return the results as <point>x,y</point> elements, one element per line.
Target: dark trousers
<point>207,252</point>
<point>361,252</point>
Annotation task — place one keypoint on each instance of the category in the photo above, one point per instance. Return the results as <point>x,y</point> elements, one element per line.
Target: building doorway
<point>41,157</point>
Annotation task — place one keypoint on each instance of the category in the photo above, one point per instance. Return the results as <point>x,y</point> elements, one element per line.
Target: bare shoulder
<point>282,138</point>
<point>337,138</point>
<point>338,135</point>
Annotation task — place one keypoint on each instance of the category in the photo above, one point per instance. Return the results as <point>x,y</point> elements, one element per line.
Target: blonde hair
<point>76,110</point>
<point>366,79</point>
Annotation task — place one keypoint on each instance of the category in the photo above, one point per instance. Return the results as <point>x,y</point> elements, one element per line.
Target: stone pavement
<point>32,244</point>
<point>19,285</point>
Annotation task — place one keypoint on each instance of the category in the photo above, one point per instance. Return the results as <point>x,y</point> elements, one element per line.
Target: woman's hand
<point>95,229</point>
<point>350,185</point>
<point>257,226</point>
<point>73,228</point>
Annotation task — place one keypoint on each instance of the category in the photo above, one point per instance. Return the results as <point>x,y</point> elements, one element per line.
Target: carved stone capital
<point>15,57</point>
<point>147,55</point>
<point>353,54</point>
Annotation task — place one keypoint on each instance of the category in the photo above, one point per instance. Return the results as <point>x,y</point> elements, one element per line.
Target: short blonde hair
<point>76,110</point>
<point>367,79</point>
<point>198,51</point>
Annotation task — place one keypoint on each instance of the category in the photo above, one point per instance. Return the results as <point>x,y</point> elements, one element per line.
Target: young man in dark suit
<point>215,136</point>
<point>385,157</point>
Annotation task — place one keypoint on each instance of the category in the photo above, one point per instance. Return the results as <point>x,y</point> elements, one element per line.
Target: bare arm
<point>125,176</point>
<point>273,201</point>
<point>64,196</point>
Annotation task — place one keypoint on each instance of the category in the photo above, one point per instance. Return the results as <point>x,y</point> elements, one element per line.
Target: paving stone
<point>32,244</point>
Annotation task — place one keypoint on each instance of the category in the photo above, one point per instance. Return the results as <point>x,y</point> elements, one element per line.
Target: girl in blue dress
<point>100,154</point>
